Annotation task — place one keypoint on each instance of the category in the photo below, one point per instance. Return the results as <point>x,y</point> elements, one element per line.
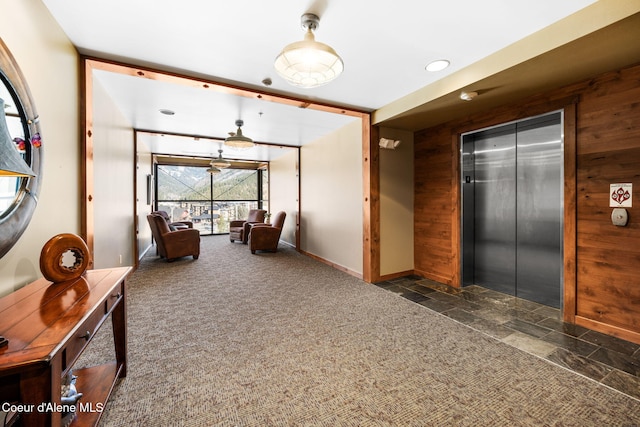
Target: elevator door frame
<point>463,248</point>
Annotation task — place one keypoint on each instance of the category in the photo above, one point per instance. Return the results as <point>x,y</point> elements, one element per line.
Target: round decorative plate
<point>64,257</point>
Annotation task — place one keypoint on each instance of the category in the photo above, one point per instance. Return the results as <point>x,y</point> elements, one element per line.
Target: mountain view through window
<point>209,201</point>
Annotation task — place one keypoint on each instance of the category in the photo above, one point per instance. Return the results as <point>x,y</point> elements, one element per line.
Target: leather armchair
<point>239,229</point>
<point>174,244</point>
<point>265,237</point>
<point>176,225</point>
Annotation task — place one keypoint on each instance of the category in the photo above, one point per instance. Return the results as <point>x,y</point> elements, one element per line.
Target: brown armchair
<point>265,237</point>
<point>174,244</point>
<point>239,229</point>
<point>176,225</point>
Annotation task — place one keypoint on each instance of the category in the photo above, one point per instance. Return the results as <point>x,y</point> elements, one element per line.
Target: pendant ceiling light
<point>220,163</point>
<point>309,63</point>
<point>238,140</point>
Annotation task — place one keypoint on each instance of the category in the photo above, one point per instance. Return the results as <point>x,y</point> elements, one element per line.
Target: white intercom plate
<point>619,217</point>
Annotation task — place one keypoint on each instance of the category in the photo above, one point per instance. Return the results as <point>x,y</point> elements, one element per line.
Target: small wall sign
<point>620,195</point>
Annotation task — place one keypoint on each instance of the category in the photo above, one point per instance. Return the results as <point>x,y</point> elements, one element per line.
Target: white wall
<point>144,167</point>
<point>331,168</point>
<point>283,191</point>
<point>49,63</point>
<point>113,198</point>
<point>332,205</point>
<point>396,204</point>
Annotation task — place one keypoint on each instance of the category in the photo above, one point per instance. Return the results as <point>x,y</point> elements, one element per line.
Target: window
<point>209,201</point>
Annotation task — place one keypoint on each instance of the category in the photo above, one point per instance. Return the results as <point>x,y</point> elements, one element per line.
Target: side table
<point>48,326</point>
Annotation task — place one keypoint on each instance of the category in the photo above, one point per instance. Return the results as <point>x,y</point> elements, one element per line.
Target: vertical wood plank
<point>569,212</point>
<point>435,205</point>
<point>456,212</point>
<point>87,225</point>
<point>371,202</point>
<point>608,152</point>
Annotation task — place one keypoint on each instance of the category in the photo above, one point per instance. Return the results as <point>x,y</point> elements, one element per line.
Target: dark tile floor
<point>531,327</point>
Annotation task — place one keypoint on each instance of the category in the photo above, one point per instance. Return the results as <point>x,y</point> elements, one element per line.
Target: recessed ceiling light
<point>438,65</point>
<point>167,112</point>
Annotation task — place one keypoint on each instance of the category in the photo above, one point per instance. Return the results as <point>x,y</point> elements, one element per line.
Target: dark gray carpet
<point>235,339</point>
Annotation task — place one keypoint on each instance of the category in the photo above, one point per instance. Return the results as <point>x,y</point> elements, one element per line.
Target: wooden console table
<point>48,327</point>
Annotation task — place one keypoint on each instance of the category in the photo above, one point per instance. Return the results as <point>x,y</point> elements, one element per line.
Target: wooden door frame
<point>569,284</point>
<point>371,203</point>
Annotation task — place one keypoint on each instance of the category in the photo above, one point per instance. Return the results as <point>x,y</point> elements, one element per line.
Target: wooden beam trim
<point>214,139</point>
<point>87,220</point>
<point>371,203</point>
<point>227,88</point>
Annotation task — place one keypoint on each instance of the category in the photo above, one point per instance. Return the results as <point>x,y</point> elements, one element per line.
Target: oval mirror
<point>20,152</point>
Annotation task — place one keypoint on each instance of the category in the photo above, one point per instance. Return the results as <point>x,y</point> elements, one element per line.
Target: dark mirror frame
<point>16,218</point>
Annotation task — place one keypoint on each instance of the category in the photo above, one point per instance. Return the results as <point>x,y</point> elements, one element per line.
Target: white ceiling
<point>207,113</point>
<point>385,47</point>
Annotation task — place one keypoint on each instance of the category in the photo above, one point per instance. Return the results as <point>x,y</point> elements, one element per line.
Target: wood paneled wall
<point>602,265</point>
<point>433,204</point>
<point>608,264</point>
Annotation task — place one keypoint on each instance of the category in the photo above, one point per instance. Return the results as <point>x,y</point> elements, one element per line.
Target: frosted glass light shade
<point>308,63</point>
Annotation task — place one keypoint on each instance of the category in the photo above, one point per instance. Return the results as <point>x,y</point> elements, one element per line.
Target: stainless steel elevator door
<point>512,209</point>
<point>539,210</point>
<point>495,206</point>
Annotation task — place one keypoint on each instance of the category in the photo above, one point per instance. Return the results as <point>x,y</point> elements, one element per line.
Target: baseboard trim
<point>144,253</point>
<point>437,278</point>
<point>392,276</point>
<point>605,328</point>
<point>284,242</point>
<point>333,264</point>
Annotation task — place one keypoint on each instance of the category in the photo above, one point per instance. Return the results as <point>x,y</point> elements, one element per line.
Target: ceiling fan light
<point>219,162</point>
<point>238,140</point>
<point>308,63</point>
